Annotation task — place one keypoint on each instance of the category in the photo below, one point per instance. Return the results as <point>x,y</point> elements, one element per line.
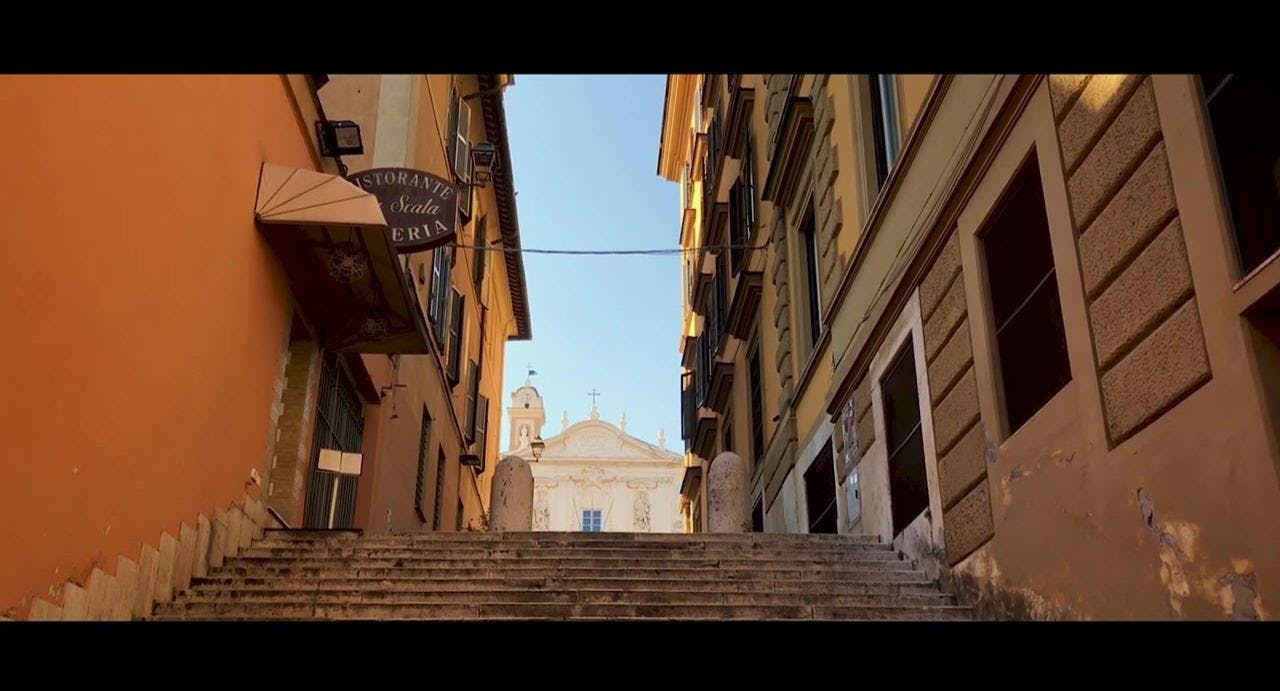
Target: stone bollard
<point>728,503</point>
<point>511,497</point>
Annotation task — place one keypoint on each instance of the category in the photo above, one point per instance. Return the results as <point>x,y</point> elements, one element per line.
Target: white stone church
<point>593,476</point>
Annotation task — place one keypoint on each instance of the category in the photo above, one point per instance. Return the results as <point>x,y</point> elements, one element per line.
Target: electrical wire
<point>644,252</point>
<point>964,146</point>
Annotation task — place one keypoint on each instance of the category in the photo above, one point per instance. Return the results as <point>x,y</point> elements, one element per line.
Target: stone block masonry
<point>1147,335</point>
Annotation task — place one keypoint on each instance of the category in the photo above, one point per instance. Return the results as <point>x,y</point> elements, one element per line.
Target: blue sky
<point>584,155</point>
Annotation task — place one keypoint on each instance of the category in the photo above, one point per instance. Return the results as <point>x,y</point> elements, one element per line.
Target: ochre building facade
<point>1021,325</point>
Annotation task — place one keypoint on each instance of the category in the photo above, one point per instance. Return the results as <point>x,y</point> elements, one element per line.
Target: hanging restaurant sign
<point>421,209</point>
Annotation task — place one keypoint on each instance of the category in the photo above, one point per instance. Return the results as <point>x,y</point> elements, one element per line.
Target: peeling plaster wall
<point>1175,514</point>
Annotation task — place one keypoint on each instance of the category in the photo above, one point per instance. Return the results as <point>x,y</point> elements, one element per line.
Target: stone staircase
<point>299,574</point>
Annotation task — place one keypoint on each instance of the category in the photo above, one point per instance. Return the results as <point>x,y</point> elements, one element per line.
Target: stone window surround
<point>808,351</point>
<point>1032,133</point>
<point>864,138</point>
<point>908,324</point>
<point>817,439</point>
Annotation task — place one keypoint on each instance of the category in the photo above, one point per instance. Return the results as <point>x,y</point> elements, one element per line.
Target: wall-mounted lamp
<point>538,446</point>
<point>339,138</point>
<point>484,161</point>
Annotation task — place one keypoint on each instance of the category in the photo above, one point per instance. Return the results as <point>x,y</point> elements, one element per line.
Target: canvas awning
<point>332,240</point>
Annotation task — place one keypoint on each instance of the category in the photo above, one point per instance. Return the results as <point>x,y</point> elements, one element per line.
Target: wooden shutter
<point>749,190</point>
<point>439,506</point>
<point>484,320</point>
<point>482,428</point>
<point>440,296</point>
<point>455,335</point>
<point>481,255</point>
<point>473,376</point>
<point>462,155</point>
<point>434,289</point>
<point>420,491</point>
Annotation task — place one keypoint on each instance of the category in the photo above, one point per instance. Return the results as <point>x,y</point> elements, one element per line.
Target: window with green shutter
<point>441,290</point>
<point>420,491</point>
<point>481,255</point>
<point>460,136</point>
<point>473,376</point>
<point>439,507</point>
<point>482,430</point>
<point>455,336</point>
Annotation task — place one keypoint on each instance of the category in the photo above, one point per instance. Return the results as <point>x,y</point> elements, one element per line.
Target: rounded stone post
<point>511,497</point>
<point>728,509</point>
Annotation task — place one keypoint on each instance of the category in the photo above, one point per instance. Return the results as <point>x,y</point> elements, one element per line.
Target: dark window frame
<point>438,300</point>
<point>726,431</point>
<point>460,149</point>
<point>482,429</point>
<point>456,343</point>
<point>808,235</point>
<point>819,481</point>
<point>442,465</point>
<point>886,140</point>
<point>755,395</point>
<point>1252,205</point>
<point>751,196</point>
<point>904,443</point>
<point>721,314</point>
<point>1023,300</point>
<point>742,211</point>
<point>424,445</point>
<point>473,390</point>
<point>481,240</point>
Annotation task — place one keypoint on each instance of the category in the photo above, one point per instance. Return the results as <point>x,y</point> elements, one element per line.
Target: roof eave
<point>495,122</point>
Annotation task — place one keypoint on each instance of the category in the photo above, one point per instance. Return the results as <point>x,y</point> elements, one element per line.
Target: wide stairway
<point>302,575</point>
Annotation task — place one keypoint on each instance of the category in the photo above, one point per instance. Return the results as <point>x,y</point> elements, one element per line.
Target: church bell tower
<point>526,415</point>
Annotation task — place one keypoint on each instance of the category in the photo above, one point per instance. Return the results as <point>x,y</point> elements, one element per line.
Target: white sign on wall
<point>340,462</point>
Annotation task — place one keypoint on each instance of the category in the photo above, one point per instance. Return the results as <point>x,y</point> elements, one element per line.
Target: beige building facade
<point>593,476</point>
<point>1043,360</point>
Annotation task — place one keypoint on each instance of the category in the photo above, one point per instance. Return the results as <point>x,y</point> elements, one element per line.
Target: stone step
<point>561,596</point>
<point>464,576</point>
<point>519,611</point>
<point>443,540</point>
<point>612,549</point>
<point>670,573</point>
<point>575,537</point>
<point>708,581</point>
<point>563,562</point>
<point>921,586</point>
<point>618,555</point>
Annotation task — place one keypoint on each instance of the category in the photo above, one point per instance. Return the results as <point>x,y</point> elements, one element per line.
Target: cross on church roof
<point>593,393</point>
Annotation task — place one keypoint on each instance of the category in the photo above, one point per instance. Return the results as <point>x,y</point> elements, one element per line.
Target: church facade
<point>593,476</point>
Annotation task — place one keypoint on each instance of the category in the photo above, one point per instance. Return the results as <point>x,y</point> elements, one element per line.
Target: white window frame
<point>887,87</point>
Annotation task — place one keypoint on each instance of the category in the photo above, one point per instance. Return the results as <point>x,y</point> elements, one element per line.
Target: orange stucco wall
<point>143,314</point>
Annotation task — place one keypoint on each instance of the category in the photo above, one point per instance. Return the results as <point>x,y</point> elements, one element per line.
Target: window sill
<point>1258,283</point>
